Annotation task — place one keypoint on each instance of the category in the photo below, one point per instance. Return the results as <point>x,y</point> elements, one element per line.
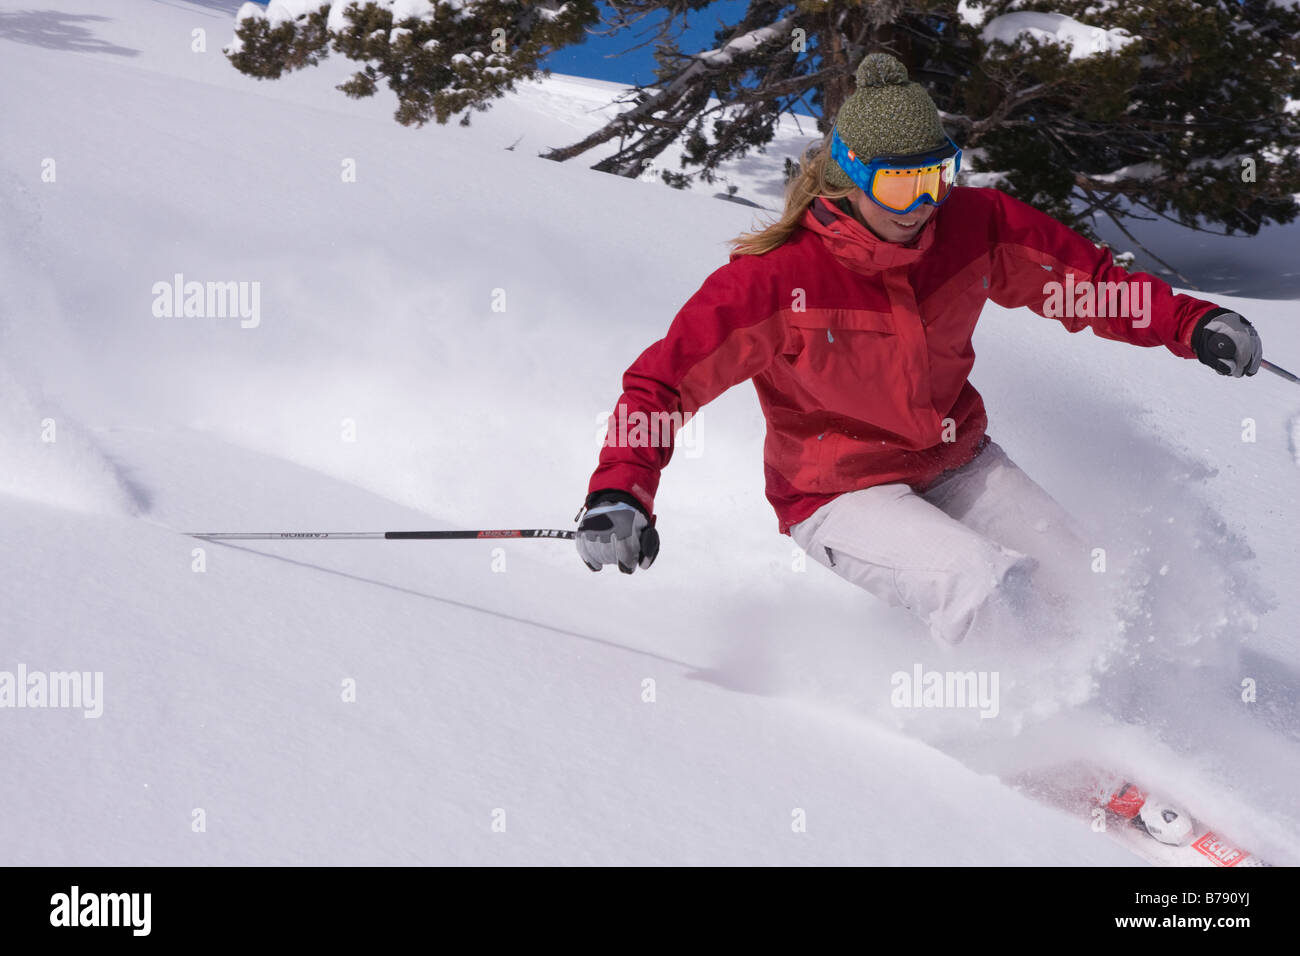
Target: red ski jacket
<point>860,349</point>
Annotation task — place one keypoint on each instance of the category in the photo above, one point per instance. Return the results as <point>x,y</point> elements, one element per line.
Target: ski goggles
<point>901,183</point>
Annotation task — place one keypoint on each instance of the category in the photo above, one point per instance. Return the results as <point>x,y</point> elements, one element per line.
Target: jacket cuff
<point>618,494</point>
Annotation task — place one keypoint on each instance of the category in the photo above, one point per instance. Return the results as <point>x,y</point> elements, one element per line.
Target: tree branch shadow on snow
<point>58,31</point>
<point>227,7</point>
<point>466,606</point>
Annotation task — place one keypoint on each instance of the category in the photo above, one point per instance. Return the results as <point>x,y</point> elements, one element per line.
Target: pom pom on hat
<point>881,69</point>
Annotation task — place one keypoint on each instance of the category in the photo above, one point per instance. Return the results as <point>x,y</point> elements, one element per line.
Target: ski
<point>1150,826</point>
<point>1163,833</point>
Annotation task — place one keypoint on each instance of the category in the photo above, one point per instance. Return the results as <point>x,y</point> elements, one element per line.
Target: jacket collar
<point>855,246</point>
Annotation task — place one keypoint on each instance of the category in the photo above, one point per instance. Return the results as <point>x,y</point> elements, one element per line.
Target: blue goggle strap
<point>863,173</point>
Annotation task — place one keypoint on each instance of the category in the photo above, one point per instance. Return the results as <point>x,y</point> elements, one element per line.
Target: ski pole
<point>1276,370</point>
<point>380,535</point>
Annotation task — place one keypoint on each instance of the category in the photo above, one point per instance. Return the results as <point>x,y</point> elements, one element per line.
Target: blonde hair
<point>799,194</point>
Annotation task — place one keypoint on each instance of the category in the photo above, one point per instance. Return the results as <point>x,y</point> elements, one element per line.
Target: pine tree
<point>1174,108</point>
<point>456,56</point>
<point>1188,120</point>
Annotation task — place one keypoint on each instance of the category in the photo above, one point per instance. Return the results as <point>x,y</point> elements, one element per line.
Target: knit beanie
<point>886,115</point>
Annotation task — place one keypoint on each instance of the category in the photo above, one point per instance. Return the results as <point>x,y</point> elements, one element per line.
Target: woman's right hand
<point>1227,343</point>
<point>616,530</point>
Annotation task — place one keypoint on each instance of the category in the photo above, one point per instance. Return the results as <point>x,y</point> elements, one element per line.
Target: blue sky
<point>595,58</point>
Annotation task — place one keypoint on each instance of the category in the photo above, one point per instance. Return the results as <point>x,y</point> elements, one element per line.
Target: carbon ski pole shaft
<point>1276,370</point>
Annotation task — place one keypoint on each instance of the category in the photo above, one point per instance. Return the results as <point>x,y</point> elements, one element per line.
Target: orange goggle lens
<point>900,189</point>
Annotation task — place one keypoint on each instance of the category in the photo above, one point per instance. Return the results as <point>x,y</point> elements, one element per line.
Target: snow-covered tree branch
<point>1056,98</point>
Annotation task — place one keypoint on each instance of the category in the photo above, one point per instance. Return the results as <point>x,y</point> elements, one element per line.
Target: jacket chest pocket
<point>859,365</point>
<point>835,350</point>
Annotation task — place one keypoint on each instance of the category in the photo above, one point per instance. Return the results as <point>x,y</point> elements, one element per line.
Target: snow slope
<point>504,676</point>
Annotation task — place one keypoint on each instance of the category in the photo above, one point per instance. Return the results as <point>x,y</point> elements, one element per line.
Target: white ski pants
<point>942,554</point>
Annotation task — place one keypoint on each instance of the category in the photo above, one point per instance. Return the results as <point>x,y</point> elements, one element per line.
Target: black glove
<point>616,530</point>
<point>1227,343</point>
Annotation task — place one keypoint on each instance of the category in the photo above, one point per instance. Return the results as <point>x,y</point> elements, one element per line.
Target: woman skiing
<point>853,315</point>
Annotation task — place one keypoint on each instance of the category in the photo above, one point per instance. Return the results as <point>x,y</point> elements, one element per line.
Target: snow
<point>504,675</point>
<point>414,9</point>
<point>1231,161</point>
<point>53,459</point>
<point>1134,171</point>
<point>972,16</point>
<point>284,11</point>
<point>1078,38</point>
<point>548,13</point>
<point>745,43</point>
<point>337,21</point>
<point>983,180</point>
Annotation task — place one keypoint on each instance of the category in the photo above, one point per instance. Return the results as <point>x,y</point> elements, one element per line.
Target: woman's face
<point>890,226</point>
